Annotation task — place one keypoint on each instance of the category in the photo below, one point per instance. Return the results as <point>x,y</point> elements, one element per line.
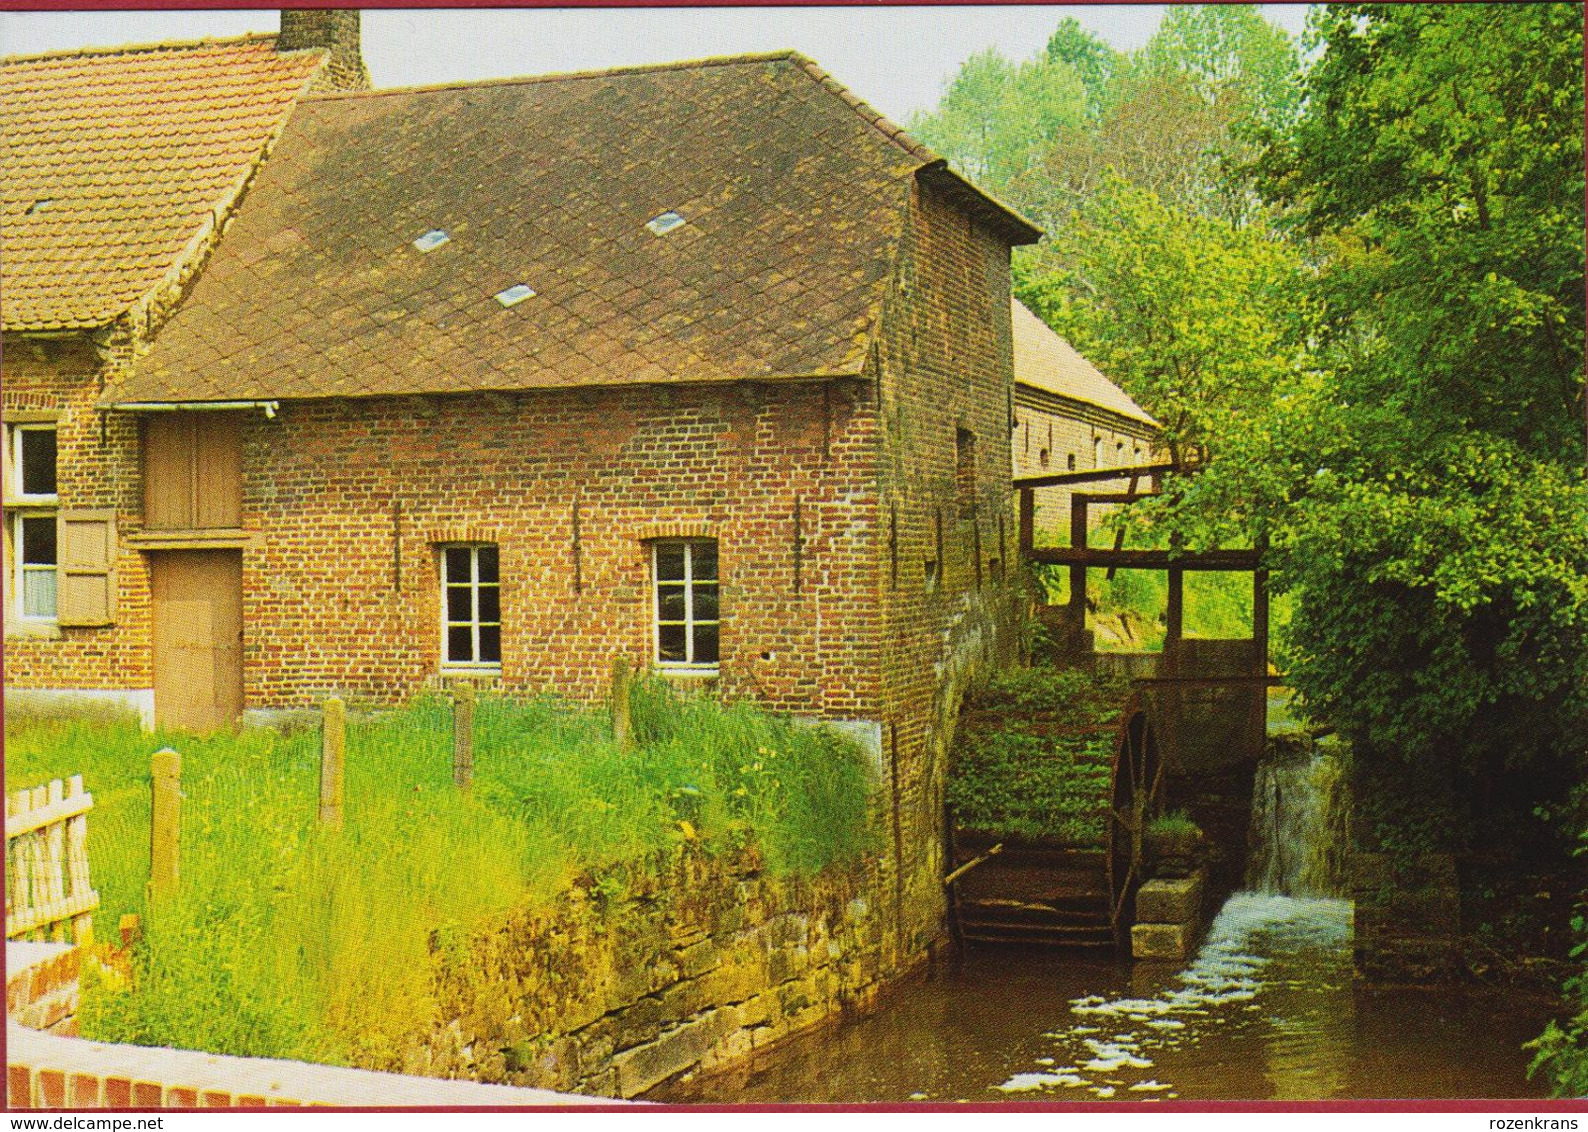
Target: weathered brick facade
<point>864,518</point>
<point>1053,435</point>
<point>97,468</point>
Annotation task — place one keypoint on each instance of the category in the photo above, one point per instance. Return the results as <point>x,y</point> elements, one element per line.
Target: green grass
<point>290,940</point>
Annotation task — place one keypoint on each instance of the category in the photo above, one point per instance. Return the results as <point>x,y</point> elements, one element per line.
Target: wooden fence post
<point>333,755</point>
<point>621,682</point>
<point>165,823</point>
<point>463,735</point>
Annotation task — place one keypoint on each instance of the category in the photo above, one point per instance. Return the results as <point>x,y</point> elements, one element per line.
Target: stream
<point>1267,1010</point>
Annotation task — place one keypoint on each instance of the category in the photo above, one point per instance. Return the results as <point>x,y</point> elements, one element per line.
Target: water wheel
<point>1135,798</point>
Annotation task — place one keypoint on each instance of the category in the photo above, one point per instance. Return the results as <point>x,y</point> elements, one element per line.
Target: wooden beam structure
<point>1097,557</point>
<point>1093,475</point>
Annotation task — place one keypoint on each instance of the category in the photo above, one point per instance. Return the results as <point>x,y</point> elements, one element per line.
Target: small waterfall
<point>1301,811</point>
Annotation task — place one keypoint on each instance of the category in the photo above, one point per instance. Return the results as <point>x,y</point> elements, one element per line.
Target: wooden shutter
<point>167,472</point>
<point>86,567</point>
<point>192,471</point>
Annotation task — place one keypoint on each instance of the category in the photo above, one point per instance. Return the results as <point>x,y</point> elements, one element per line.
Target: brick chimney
<point>334,30</point>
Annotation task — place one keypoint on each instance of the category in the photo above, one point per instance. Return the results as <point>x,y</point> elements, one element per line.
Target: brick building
<point>1069,417</point>
<point>703,365</point>
<point>120,167</point>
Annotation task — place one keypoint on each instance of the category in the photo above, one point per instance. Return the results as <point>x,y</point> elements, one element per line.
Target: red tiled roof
<point>112,159</point>
<point>793,194</point>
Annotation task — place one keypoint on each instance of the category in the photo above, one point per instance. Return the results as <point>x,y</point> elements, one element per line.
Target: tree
<point>1195,317</point>
<point>997,119</point>
<point>1422,488</point>
<point>1093,61</point>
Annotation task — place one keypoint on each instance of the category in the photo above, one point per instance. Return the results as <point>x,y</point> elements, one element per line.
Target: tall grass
<point>287,939</point>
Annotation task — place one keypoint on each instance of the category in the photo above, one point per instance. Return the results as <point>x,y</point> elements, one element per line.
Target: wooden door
<point>198,637</point>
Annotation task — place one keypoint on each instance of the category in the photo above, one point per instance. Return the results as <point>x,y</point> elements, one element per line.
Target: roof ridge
<point>895,133</point>
<point>566,76</point>
<point>136,48</point>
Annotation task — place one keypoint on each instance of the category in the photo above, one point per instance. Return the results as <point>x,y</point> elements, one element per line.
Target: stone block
<point>1170,901</point>
<point>646,1066</point>
<point>1161,941</point>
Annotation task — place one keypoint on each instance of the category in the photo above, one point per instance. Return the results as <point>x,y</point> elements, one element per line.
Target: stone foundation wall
<point>661,968</point>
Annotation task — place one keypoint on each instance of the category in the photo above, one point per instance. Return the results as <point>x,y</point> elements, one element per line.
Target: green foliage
<point>290,940</point>
<point>1069,697</point>
<point>1561,1051</point>
<point>1193,316</point>
<point>997,117</point>
<point>1176,823</point>
<point>1421,487</point>
<point>1011,775</point>
<point>1440,161</point>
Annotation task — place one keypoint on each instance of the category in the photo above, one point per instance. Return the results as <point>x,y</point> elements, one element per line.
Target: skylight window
<point>40,205</point>
<point>514,295</point>
<point>665,223</point>
<point>432,240</point>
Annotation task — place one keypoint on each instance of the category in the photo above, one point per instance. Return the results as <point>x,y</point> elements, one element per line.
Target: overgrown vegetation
<point>1355,277</point>
<point>1561,1051</point>
<point>1032,755</point>
<point>290,940</point>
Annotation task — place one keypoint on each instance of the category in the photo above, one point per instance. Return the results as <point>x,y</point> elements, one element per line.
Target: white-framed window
<point>31,476</point>
<point>686,619</point>
<point>471,607</point>
<point>33,539</point>
<point>31,493</point>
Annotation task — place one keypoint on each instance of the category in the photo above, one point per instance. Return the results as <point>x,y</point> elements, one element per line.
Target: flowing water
<point>1267,1010</point>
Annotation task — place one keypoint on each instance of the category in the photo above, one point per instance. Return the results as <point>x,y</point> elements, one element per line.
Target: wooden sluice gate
<point>1199,715</point>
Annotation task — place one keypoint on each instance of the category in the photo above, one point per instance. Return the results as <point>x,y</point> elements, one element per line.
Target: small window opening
<point>36,561</point>
<point>432,240</point>
<point>1042,457</point>
<point>965,471</point>
<point>40,205</point>
<point>665,223</point>
<point>929,568</point>
<point>471,608</point>
<point>514,295</point>
<point>1097,451</point>
<point>1069,462</point>
<point>33,466</point>
<point>687,607</point>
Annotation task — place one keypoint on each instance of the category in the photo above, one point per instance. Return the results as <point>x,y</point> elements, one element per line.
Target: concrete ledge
<point>1170,901</point>
<point>46,1071</point>
<point>1162,941</point>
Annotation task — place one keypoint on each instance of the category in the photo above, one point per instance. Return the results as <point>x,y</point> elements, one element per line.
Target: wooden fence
<point>47,886</point>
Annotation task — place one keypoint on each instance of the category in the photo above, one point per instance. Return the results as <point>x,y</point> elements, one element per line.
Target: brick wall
<point>1050,434</point>
<point>97,466</point>
<point>944,364</point>
<point>350,501</point>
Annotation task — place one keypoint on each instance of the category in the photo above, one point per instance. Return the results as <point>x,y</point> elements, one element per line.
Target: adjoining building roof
<point>112,160</point>
<point>515,235</point>
<point>1045,361</point>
